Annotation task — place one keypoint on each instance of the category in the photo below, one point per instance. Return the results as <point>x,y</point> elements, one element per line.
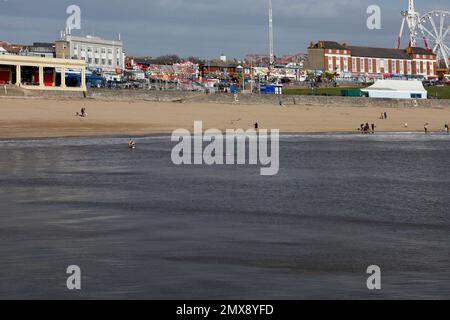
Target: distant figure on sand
<point>83,113</point>
<point>373,127</point>
<point>446,127</point>
<point>256,126</point>
<point>425,127</point>
<point>385,115</point>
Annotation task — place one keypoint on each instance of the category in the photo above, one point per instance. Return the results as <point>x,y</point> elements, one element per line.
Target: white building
<point>104,56</point>
<point>397,89</point>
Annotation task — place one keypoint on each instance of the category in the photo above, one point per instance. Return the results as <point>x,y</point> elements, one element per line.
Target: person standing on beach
<point>385,116</point>
<point>373,127</point>
<point>446,127</point>
<point>256,126</point>
<point>425,128</point>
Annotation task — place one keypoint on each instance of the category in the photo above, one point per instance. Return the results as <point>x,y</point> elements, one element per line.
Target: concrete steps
<point>12,91</point>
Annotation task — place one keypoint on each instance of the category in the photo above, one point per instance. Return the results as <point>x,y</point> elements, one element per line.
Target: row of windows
<point>102,62</point>
<point>338,51</point>
<point>95,50</point>
<point>418,56</point>
<point>380,64</point>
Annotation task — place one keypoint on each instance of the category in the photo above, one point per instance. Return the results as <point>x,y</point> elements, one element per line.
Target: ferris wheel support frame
<point>416,23</point>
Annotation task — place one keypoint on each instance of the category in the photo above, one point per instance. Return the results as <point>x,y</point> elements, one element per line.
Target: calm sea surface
<point>140,227</point>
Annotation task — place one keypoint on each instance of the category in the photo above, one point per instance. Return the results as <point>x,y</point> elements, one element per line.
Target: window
<point>361,64</point>
<point>338,63</point>
<point>409,67</point>
<point>354,64</point>
<point>401,71</point>
<point>110,51</point>
<point>96,60</point>
<point>103,61</point>
<point>103,50</point>
<point>109,62</point>
<point>330,63</point>
<point>416,95</point>
<point>89,60</point>
<point>378,66</point>
<point>345,65</point>
<point>393,66</point>
<point>370,66</point>
<point>118,62</point>
<point>89,49</point>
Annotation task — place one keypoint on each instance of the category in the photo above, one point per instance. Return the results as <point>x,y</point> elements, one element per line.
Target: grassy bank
<point>435,92</point>
<point>318,91</point>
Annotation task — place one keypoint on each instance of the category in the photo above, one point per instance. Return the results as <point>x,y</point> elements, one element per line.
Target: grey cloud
<point>208,27</point>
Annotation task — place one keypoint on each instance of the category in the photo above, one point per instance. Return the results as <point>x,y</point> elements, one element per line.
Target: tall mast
<point>413,20</point>
<point>271,54</point>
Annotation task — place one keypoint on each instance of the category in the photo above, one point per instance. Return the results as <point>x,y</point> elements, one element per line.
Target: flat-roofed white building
<point>397,89</point>
<point>105,56</point>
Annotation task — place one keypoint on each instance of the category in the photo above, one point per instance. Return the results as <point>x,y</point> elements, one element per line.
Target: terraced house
<point>371,63</point>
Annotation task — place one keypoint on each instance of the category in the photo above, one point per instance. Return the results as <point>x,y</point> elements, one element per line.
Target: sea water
<point>140,227</point>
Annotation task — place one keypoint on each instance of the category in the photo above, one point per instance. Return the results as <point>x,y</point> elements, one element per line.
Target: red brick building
<point>354,61</point>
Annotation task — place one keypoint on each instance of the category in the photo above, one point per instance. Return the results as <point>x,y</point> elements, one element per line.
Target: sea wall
<point>288,100</point>
<point>147,95</point>
<point>243,99</point>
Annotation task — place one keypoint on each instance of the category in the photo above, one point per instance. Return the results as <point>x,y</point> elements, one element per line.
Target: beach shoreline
<point>55,118</point>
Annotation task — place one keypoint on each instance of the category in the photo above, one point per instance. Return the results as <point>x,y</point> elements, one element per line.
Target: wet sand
<point>41,118</point>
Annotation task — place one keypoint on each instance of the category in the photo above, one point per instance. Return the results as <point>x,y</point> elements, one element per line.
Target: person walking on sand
<point>373,127</point>
<point>425,128</point>
<point>256,126</point>
<point>446,128</point>
<point>385,116</point>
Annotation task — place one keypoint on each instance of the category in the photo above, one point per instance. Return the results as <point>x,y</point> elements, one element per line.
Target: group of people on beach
<point>366,128</point>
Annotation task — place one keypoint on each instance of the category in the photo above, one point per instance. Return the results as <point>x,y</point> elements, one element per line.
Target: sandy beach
<point>41,118</point>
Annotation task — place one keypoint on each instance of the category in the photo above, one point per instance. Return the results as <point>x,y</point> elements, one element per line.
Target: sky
<point>208,28</point>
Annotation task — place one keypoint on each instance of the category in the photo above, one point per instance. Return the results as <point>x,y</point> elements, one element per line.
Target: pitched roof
<point>379,52</point>
<point>396,85</point>
<point>329,45</point>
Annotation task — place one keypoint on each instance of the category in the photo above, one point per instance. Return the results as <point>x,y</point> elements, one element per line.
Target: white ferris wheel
<point>433,28</point>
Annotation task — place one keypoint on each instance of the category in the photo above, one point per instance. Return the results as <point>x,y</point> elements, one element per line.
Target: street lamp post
<point>240,70</point>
